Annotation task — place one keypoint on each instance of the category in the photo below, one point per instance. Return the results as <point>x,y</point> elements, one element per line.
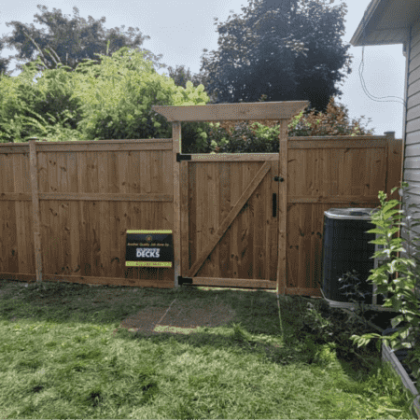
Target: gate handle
<point>274,205</point>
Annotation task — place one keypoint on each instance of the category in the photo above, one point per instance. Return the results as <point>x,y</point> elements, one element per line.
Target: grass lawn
<point>60,357</point>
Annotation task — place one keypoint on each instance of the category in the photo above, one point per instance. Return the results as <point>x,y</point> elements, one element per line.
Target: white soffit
<point>387,22</point>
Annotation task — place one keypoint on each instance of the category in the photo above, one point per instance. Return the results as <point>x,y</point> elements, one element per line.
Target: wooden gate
<point>229,220</point>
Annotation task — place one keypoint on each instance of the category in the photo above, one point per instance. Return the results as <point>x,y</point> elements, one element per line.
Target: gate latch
<point>278,178</point>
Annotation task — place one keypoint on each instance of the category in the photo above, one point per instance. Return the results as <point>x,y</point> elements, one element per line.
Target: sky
<point>181,29</point>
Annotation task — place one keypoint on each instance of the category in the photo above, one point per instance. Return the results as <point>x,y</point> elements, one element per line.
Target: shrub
<point>109,99</point>
<point>117,97</point>
<point>263,136</point>
<point>404,292</point>
<point>37,104</point>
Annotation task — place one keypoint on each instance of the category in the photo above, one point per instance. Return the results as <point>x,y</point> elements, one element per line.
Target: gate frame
<point>277,111</point>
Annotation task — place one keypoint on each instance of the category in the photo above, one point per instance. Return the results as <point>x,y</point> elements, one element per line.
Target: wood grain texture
<point>225,207</point>
<point>337,144</point>
<point>110,145</point>
<point>23,234</point>
<point>236,187</point>
<point>36,217</point>
<point>232,112</point>
<point>283,197</point>
<point>63,215</point>
<point>235,157</point>
<point>393,173</point>
<point>212,241</point>
<point>74,196</point>
<point>88,198</point>
<point>104,216</point>
<point>176,226</point>
<point>224,282</point>
<point>184,210</point>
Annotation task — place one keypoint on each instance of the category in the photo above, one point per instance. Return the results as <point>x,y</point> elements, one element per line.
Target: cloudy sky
<point>181,29</point>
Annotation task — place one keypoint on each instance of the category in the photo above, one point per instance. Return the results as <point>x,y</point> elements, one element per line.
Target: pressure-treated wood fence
<point>71,203</point>
<point>228,223</point>
<point>65,208</point>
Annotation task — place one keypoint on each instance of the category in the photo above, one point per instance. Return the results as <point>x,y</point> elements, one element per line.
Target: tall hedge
<point>111,99</point>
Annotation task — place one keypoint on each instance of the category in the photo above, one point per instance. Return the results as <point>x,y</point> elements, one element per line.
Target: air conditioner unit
<point>347,247</point>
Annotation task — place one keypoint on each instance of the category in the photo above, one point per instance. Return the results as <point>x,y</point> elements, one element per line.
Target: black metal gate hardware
<point>184,280</point>
<point>274,205</point>
<point>278,178</point>
<point>180,157</point>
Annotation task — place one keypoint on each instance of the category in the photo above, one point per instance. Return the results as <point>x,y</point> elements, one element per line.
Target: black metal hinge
<point>184,280</point>
<point>278,178</point>
<point>180,157</point>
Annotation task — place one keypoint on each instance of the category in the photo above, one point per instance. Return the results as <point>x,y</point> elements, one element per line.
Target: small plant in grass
<point>403,291</point>
<point>333,326</point>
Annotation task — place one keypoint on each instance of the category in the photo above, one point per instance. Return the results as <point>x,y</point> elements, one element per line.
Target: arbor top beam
<point>233,112</point>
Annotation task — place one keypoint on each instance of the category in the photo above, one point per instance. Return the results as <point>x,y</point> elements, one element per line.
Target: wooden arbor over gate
<point>278,111</point>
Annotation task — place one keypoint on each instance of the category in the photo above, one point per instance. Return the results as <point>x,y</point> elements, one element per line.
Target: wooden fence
<point>228,224</point>
<point>65,208</point>
<point>69,204</point>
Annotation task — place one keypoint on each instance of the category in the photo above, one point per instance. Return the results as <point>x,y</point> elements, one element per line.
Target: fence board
<point>101,146</point>
<point>21,226</point>
<point>74,214</point>
<point>192,217</point>
<point>260,230</point>
<point>235,192</point>
<point>283,195</point>
<point>213,199</point>
<point>104,216</point>
<point>176,223</point>
<point>225,206</point>
<point>116,267</point>
<point>247,260</point>
<point>35,216</point>
<point>63,262</point>
<point>183,179</point>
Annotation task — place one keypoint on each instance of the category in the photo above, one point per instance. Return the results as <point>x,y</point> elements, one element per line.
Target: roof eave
<point>359,38</point>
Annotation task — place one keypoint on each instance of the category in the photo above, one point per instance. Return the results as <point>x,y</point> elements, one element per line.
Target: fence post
<point>282,252</point>
<point>35,210</point>
<point>176,148</point>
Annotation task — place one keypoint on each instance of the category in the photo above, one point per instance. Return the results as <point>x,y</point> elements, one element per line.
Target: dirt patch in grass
<point>179,317</point>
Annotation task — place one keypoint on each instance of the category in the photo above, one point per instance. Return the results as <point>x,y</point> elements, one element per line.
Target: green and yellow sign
<point>149,248</point>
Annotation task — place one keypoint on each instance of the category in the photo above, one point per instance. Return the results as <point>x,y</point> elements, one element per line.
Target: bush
<point>404,292</point>
<point>37,104</point>
<point>117,97</point>
<point>263,136</point>
<point>111,99</point>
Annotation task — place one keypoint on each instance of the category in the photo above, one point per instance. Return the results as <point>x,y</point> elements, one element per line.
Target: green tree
<point>181,75</point>
<point>69,39</point>
<point>283,49</point>
<point>117,97</point>
<point>3,61</point>
<point>38,103</point>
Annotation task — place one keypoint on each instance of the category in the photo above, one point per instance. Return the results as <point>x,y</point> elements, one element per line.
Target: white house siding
<point>412,125</point>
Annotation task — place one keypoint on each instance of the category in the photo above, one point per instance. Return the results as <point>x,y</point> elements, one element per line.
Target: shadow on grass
<point>255,328</point>
<point>256,311</point>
